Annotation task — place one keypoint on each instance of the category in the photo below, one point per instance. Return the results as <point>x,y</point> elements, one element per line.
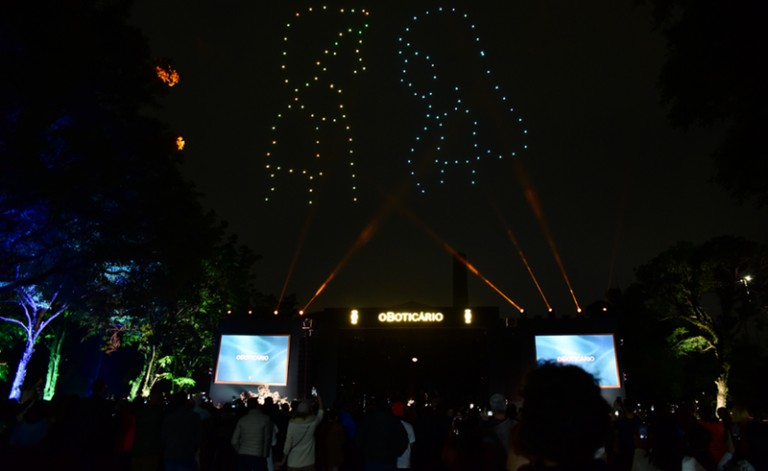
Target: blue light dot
<point>482,53</point>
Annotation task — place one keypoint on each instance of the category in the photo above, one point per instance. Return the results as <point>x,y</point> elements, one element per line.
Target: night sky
<point>615,184</point>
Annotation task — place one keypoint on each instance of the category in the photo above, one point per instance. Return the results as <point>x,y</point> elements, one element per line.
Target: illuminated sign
<point>411,317</point>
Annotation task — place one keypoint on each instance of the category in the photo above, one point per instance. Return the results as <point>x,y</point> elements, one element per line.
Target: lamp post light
<point>746,281</point>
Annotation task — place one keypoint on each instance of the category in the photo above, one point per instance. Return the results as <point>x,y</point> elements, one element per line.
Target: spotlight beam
<point>453,252</point>
<point>512,237</point>
<point>368,232</point>
<point>533,201</point>
<point>520,251</point>
<point>299,246</point>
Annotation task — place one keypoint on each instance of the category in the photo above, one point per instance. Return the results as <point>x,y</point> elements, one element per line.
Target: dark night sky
<point>609,171</point>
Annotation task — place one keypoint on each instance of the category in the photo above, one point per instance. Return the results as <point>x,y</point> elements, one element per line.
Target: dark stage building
<point>459,353</point>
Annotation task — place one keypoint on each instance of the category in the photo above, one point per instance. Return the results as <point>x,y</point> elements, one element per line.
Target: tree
<point>716,71</point>
<point>87,181</point>
<point>705,289</point>
<point>39,311</point>
<point>174,330</point>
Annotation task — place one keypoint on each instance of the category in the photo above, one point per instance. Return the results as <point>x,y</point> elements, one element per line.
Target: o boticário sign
<point>390,317</point>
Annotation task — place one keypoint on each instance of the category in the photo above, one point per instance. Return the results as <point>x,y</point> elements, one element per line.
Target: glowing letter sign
<point>411,317</point>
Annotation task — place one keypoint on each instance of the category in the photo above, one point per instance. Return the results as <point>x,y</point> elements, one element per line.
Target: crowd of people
<point>564,424</point>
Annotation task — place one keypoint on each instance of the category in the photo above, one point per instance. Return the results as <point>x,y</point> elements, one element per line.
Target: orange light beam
<point>299,246</point>
<point>369,231</point>
<point>535,204</point>
<point>453,252</point>
<point>363,239</point>
<point>517,246</point>
<point>520,251</point>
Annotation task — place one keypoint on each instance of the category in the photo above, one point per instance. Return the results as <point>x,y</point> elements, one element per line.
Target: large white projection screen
<point>253,359</point>
<point>594,353</point>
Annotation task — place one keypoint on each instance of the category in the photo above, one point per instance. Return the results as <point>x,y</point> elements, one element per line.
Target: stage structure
<point>460,353</point>
<point>258,354</point>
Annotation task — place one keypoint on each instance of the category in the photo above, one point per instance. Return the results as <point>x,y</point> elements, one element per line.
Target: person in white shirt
<point>299,450</point>
<point>253,438</point>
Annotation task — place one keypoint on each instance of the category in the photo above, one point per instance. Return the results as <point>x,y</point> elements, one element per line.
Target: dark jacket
<point>381,438</point>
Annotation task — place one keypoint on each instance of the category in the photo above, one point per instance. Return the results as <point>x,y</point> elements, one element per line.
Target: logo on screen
<point>252,357</point>
<point>575,359</point>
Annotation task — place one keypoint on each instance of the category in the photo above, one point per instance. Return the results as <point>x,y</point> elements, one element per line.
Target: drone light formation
<point>452,131</point>
<point>313,128</point>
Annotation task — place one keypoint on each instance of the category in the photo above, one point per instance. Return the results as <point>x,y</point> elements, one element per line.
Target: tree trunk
<point>136,383</point>
<point>151,365</point>
<point>21,371</point>
<point>54,362</point>
<point>722,386</point>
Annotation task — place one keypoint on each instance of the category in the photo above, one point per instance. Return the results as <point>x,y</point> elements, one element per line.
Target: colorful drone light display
<point>452,143</point>
<point>313,131</point>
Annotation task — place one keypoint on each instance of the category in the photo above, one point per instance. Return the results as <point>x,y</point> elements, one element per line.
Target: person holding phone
<point>299,449</point>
